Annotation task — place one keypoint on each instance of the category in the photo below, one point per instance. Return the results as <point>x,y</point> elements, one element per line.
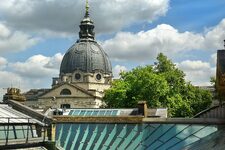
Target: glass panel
<point>173,132</point>
<point>120,137</point>
<point>76,112</point>
<point>181,145</point>
<point>103,134</point>
<point>205,131</point>
<point>95,113</point>
<point>169,143</point>
<point>189,130</point>
<point>20,134</point>
<point>108,113</point>
<point>82,112</point>
<point>154,145</point>
<point>93,134</point>
<point>75,130</point>
<point>114,112</point>
<point>2,135</point>
<point>25,131</point>
<point>11,134</point>
<point>157,133</point>
<point>101,113</point>
<point>88,113</point>
<point>18,127</point>
<point>71,112</point>
<point>2,127</point>
<point>131,132</point>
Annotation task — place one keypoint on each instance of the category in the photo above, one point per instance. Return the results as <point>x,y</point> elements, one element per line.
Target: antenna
<point>87,8</point>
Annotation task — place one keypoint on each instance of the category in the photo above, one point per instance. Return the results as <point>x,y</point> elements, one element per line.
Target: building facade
<point>85,73</point>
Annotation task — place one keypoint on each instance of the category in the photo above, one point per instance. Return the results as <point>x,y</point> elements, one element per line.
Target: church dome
<point>86,54</point>
<point>87,57</point>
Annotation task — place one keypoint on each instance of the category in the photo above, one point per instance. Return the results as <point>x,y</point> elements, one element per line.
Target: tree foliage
<point>161,85</point>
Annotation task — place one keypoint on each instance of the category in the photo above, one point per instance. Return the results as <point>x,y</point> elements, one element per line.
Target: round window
<point>98,77</point>
<point>77,76</point>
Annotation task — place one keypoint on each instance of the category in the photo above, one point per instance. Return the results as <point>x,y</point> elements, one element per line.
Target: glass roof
<point>94,112</point>
<point>10,115</point>
<point>130,136</point>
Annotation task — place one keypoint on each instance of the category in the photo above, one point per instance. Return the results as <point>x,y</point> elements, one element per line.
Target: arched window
<point>65,92</point>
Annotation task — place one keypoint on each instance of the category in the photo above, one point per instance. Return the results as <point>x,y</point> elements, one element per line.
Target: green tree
<point>162,85</point>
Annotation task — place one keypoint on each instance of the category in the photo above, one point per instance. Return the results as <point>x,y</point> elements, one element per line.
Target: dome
<point>87,57</point>
<point>86,54</point>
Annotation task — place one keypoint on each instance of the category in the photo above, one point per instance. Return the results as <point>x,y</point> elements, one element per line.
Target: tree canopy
<point>161,85</point>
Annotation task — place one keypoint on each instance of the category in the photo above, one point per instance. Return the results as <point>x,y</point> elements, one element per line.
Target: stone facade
<point>85,73</point>
<point>69,95</point>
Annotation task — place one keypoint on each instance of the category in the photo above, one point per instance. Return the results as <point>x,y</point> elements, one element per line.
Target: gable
<point>67,90</point>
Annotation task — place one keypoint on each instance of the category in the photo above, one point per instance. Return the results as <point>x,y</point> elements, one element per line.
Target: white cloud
<point>198,72</point>
<point>214,36</point>
<point>117,69</point>
<point>14,41</point>
<point>65,15</point>
<point>9,78</point>
<point>35,72</point>
<point>194,65</point>
<point>55,61</point>
<point>3,63</point>
<point>145,45</point>
<point>4,31</point>
<point>38,66</point>
<point>213,60</point>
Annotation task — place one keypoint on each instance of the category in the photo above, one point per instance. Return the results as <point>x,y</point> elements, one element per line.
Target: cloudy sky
<point>35,34</point>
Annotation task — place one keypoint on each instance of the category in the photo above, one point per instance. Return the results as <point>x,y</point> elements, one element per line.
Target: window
<point>67,106</point>
<point>77,76</point>
<point>98,77</point>
<point>65,92</point>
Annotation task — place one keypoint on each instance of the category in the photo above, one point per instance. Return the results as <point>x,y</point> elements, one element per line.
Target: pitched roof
<point>73,85</point>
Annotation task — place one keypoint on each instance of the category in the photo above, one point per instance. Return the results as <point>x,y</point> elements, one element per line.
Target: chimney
<point>142,108</point>
<point>224,43</point>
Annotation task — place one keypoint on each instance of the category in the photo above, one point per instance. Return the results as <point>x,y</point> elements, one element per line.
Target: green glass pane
<point>76,112</point>
<point>120,137</point>
<point>82,112</point>
<point>73,132</point>
<point>173,132</point>
<point>101,113</point>
<point>108,113</point>
<point>18,127</point>
<point>169,143</point>
<point>155,145</point>
<point>131,133</point>
<point>88,113</point>
<point>102,136</point>
<point>93,132</point>
<point>114,112</point>
<point>206,131</point>
<point>20,134</point>
<point>71,112</point>
<point>95,113</point>
<point>189,131</point>
<point>185,142</point>
<point>11,134</point>
<point>2,135</point>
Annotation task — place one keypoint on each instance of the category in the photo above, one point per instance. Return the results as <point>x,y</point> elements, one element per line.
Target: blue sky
<point>34,35</point>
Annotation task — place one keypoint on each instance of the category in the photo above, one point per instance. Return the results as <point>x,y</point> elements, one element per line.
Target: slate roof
<point>86,55</point>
